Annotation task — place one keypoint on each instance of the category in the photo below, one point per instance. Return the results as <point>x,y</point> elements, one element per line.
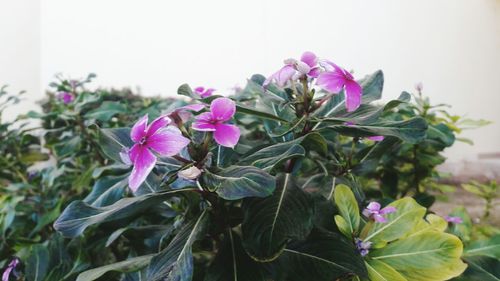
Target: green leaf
<point>366,113</point>
<point>408,213</point>
<point>323,256</point>
<point>236,182</point>
<point>442,133</point>
<point>488,247</point>
<point>67,146</point>
<point>412,130</point>
<point>79,215</point>
<point>260,114</point>
<point>464,229</point>
<point>232,262</point>
<point>113,141</point>
<point>129,265</point>
<point>269,223</point>
<point>47,218</point>
<point>185,90</point>
<point>427,256</point>
<point>107,190</point>
<point>106,111</point>
<point>37,264</point>
<point>175,262</point>
<point>379,271</point>
<point>348,207</point>
<point>431,222</point>
<point>481,268</point>
<point>270,157</point>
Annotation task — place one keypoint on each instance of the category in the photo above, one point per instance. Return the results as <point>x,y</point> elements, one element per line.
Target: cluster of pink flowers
<point>329,76</point>
<point>162,138</point>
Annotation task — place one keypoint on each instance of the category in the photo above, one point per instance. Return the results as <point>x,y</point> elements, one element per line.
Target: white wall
<point>451,45</point>
<point>20,51</point>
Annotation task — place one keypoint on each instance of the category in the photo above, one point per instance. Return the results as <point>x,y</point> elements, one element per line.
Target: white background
<point>452,46</point>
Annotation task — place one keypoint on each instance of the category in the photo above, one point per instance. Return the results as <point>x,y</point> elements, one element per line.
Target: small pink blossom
<point>336,79</point>
<point>373,211</point>
<point>455,220</point>
<point>295,69</point>
<point>155,137</point>
<point>221,111</point>
<point>202,92</point>
<point>66,97</point>
<point>419,86</point>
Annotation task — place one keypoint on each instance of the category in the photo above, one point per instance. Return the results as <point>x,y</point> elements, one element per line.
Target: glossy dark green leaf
<point>232,262</point>
<point>106,111</point>
<point>260,114</point>
<point>185,90</point>
<point>113,141</point>
<point>236,182</point>
<point>175,262</point>
<point>323,256</point>
<point>412,130</point>
<point>107,190</point>
<point>269,223</point>
<point>37,265</point>
<point>481,268</point>
<point>270,157</point>
<point>128,265</point>
<point>442,133</point>
<point>79,215</point>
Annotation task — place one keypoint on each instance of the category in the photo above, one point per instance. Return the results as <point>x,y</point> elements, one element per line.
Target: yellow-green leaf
<point>347,206</point>
<point>380,271</point>
<point>429,256</point>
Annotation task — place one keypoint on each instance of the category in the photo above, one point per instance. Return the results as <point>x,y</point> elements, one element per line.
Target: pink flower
<point>455,220</point>
<point>202,92</point>
<point>419,86</point>
<point>373,211</point>
<point>221,111</point>
<point>294,69</point>
<point>66,97</point>
<point>155,137</point>
<point>376,138</point>
<point>11,270</point>
<point>335,78</point>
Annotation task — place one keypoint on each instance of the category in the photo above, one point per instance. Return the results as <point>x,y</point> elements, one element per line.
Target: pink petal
<point>353,94</point>
<point>314,73</point>
<point>376,138</point>
<point>379,218</point>
<point>332,82</point>
<point>204,122</point>
<point>157,124</point>
<point>222,109</point>
<point>282,76</point>
<point>309,58</point>
<point>199,90</point>
<point>207,93</point>
<point>227,135</point>
<point>139,129</point>
<point>144,162</point>
<point>167,142</point>
<point>192,107</point>
<point>388,210</point>
<point>303,68</point>
<point>373,206</point>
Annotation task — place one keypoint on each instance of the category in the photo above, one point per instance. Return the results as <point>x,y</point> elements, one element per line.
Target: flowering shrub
<point>261,185</point>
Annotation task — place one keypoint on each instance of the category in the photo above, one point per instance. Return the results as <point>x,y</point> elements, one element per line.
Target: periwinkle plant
<point>260,186</point>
